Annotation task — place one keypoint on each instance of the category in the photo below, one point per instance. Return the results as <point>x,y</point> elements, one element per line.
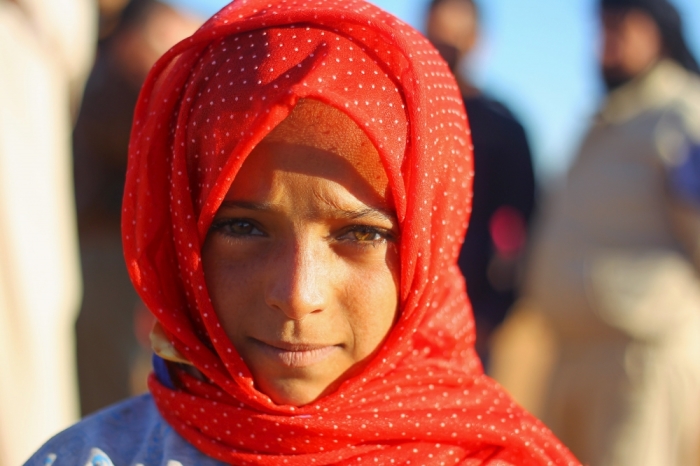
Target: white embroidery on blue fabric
<point>50,458</point>
<point>98,458</point>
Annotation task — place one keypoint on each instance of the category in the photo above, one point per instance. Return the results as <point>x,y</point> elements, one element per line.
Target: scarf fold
<point>206,104</point>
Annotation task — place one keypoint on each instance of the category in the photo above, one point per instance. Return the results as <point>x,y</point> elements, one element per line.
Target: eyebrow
<point>337,212</point>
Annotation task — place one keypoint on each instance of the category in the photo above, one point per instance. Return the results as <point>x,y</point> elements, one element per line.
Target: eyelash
<point>378,235</point>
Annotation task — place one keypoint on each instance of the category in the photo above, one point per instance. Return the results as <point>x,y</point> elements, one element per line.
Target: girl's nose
<point>299,279</point>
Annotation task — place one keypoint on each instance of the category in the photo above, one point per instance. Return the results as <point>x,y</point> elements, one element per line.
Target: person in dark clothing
<point>504,185</point>
<point>108,351</point>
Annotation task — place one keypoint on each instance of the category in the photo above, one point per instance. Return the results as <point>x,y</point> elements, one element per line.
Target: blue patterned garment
<point>685,177</point>
<point>129,433</point>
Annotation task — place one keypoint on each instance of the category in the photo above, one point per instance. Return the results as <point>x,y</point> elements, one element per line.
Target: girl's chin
<point>299,377</point>
<point>297,393</point>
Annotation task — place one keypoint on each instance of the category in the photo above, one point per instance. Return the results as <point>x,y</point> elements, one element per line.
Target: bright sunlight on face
<point>301,260</point>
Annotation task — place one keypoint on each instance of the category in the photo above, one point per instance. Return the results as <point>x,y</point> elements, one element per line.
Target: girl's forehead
<point>319,126</point>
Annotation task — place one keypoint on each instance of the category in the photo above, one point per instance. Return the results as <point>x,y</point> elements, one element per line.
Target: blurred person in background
<point>615,265</point>
<point>46,49</point>
<point>134,35</point>
<point>504,185</point>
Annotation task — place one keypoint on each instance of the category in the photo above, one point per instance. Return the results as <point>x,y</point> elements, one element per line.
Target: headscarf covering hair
<point>670,25</point>
<point>206,104</point>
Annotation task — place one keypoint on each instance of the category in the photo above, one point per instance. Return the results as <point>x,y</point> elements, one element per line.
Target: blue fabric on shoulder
<point>685,177</point>
<point>132,432</point>
<point>160,367</point>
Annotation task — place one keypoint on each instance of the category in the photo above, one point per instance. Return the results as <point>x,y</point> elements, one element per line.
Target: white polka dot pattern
<point>206,104</point>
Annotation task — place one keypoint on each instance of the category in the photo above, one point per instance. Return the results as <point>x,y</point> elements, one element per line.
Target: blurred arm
<point>684,200</point>
<point>68,30</point>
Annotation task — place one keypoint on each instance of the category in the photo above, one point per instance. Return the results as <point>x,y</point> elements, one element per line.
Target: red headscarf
<point>205,105</point>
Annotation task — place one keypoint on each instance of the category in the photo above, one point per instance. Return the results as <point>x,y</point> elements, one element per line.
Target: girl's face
<point>301,260</point>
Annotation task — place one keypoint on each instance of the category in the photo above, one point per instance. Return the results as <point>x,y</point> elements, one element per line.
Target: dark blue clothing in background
<point>503,178</point>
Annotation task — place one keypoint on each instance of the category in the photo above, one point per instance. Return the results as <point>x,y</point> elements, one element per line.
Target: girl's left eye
<point>367,234</point>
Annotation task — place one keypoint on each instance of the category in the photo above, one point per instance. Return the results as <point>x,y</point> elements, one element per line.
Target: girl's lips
<point>296,355</point>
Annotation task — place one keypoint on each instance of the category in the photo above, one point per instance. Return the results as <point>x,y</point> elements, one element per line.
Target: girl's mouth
<point>296,355</point>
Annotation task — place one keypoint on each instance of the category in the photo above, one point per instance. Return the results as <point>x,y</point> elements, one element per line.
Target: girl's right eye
<point>236,227</point>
